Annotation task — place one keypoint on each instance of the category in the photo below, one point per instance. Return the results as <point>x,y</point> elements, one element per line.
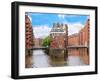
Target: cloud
<point>41,31</point>
<point>30,14</point>
<point>74,28</point>
<point>30,18</point>
<point>61,16</point>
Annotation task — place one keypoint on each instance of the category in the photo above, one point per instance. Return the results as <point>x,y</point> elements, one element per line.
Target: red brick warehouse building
<point>58,44</point>
<point>73,41</point>
<point>78,43</point>
<point>29,37</point>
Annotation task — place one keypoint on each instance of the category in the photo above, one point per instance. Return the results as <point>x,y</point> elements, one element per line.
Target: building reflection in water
<point>41,59</point>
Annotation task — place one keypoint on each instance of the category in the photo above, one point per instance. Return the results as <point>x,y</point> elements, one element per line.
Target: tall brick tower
<point>28,42</point>
<point>58,45</point>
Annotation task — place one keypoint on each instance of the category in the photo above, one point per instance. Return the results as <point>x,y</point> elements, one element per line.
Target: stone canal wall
<point>57,56</point>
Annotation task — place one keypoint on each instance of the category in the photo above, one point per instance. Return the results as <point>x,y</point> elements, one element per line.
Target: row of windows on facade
<point>29,33</point>
<point>81,38</point>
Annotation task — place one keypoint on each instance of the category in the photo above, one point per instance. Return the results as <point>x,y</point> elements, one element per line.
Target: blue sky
<point>45,21</point>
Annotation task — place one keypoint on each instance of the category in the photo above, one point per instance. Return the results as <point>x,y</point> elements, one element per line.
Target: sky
<point>43,22</point>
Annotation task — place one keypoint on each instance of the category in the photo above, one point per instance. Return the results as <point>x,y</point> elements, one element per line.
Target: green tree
<point>46,41</point>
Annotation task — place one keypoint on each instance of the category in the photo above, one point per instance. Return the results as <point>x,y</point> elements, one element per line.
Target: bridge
<point>37,48</point>
<point>78,46</point>
<point>44,48</point>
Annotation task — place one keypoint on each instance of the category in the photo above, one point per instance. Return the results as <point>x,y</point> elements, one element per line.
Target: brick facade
<point>84,40</point>
<point>60,38</point>
<point>28,42</point>
<point>78,44</point>
<point>58,44</point>
<point>73,40</point>
<point>29,33</point>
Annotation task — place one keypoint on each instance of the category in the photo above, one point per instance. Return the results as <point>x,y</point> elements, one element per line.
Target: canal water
<point>74,61</point>
<point>41,59</point>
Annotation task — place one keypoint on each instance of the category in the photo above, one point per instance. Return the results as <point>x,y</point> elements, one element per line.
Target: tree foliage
<point>46,41</point>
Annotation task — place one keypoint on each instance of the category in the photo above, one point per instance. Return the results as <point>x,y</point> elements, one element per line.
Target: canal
<point>41,59</point>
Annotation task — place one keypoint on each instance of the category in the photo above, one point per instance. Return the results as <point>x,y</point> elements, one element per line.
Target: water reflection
<point>74,61</point>
<point>41,59</point>
<point>57,57</point>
